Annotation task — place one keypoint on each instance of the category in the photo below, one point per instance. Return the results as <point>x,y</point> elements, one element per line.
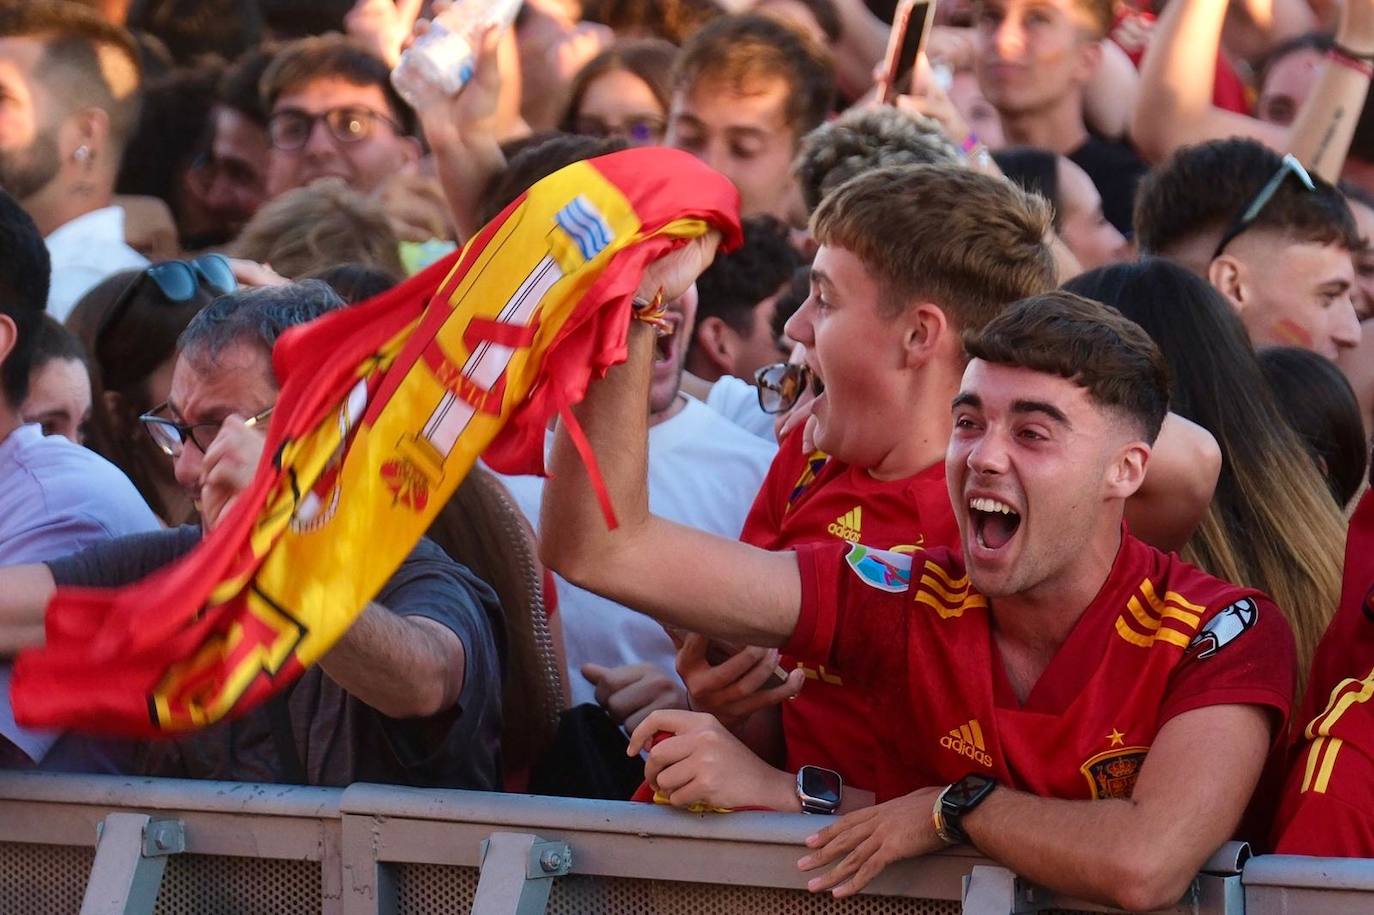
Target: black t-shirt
<point>1116,170</point>
<point>338,739</point>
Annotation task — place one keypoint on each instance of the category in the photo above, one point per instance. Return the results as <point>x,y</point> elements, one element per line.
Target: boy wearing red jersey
<point>1074,663</point>
<point>908,261</point>
<point>881,329</point>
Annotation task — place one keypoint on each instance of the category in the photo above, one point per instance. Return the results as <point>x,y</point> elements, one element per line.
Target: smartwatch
<point>819,789</point>
<point>958,800</point>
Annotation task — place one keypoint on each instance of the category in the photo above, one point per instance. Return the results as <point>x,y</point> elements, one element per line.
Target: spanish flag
<point>383,409</point>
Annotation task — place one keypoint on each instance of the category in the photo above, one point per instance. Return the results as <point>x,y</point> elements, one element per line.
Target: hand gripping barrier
<point>126,845</point>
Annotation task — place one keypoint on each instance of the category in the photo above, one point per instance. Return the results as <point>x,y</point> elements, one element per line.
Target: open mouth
<point>994,522</point>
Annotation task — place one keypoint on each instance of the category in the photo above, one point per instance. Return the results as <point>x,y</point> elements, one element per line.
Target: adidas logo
<point>848,525</point>
<point>967,740</point>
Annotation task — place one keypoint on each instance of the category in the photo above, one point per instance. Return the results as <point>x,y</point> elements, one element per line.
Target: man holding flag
<point>410,694</point>
<point>382,410</point>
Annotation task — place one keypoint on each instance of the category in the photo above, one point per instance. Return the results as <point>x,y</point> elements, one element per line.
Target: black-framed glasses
<point>780,385</point>
<point>172,436</point>
<point>290,128</point>
<point>178,282</point>
<point>1289,166</point>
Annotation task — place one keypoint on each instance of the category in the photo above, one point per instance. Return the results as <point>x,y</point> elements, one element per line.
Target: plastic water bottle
<point>443,58</point>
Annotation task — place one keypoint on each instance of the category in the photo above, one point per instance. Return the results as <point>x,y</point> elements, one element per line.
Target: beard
<point>25,172</point>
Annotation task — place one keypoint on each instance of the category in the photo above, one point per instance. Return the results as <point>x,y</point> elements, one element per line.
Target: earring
<point>81,153</point>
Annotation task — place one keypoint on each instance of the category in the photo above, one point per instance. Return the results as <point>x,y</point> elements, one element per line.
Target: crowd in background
<point>182,182</point>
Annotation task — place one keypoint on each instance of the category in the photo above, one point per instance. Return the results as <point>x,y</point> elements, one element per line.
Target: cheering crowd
<point>1005,486</point>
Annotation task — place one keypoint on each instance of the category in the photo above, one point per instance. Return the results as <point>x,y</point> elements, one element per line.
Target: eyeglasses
<point>290,129</point>
<point>172,436</point>
<point>1289,166</point>
<point>780,385</point>
<point>178,282</point>
<point>644,130</point>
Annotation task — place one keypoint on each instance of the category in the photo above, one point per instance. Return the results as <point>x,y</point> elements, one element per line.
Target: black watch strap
<point>958,800</point>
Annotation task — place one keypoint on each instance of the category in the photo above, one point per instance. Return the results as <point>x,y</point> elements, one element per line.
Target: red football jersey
<point>1160,638</point>
<point>1328,802</point>
<point>812,498</point>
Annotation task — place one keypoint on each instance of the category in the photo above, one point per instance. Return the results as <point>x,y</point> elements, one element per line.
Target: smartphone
<point>718,651</point>
<point>911,25</point>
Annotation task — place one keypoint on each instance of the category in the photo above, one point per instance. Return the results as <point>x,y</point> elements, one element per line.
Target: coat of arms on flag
<point>383,409</point>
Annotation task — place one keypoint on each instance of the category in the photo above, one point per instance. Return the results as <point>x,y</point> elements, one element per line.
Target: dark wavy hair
<point>1272,524</point>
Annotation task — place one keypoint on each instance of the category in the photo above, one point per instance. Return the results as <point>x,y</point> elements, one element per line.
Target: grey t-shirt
<point>339,740</point>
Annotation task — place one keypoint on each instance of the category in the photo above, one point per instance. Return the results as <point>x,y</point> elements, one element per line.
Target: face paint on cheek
<point>1293,333</point>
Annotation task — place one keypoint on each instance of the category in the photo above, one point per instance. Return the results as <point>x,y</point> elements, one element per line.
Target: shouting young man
<point>1046,698</point>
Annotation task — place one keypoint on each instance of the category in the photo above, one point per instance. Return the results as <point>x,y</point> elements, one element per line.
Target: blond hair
<point>322,225</point>
<point>967,242</point>
<point>1293,552</point>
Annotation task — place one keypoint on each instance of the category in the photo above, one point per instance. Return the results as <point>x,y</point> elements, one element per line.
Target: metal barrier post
<point>131,852</point>
<point>517,873</point>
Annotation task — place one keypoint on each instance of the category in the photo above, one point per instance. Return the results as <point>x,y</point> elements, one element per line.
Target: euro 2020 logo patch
<point>1224,628</point>
<point>881,569</point>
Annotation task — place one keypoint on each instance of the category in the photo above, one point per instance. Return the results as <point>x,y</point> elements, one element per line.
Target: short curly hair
<point>862,139</point>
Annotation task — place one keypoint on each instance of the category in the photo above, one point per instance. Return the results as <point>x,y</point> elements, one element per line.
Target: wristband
<point>970,143</point>
<point>1360,65</point>
<point>652,312</point>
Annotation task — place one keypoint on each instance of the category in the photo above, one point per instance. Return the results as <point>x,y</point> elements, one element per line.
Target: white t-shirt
<point>83,252</point>
<point>738,401</point>
<point>704,472</point>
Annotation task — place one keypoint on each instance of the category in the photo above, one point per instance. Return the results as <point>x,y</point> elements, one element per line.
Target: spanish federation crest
<point>881,569</point>
<point>1113,773</point>
<point>1225,627</point>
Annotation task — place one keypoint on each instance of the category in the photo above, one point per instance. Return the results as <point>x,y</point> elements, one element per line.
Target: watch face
<point>967,789</point>
<point>821,784</point>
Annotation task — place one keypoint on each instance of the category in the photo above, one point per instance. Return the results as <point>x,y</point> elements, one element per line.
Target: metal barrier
<point>103,844</point>
<point>1295,885</point>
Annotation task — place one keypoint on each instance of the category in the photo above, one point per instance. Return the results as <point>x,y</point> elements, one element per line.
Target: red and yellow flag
<point>383,409</point>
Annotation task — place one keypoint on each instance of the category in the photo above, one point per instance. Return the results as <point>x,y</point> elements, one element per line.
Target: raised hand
<point>382,26</point>
<point>734,689</point>
<point>228,468</point>
<point>631,692</point>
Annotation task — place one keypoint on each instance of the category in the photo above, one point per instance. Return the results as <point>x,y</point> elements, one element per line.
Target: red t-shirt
<point>810,499</point>
<point>1160,638</point>
<point>1328,802</point>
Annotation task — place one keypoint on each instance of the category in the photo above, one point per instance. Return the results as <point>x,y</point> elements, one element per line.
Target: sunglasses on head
<point>1289,166</point>
<point>780,385</point>
<point>178,282</point>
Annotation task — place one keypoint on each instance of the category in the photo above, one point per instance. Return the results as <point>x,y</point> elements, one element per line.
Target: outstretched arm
<point>462,132</point>
<point>402,666</point>
<point>1175,101</point>
<point>1177,80</point>
<point>679,575</point>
